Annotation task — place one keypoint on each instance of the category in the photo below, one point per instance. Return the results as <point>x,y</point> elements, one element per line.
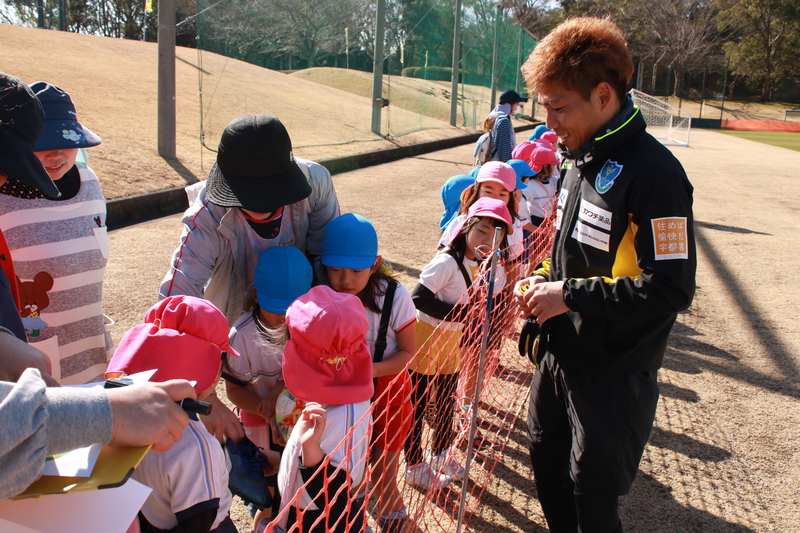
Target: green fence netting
<point>329,43</point>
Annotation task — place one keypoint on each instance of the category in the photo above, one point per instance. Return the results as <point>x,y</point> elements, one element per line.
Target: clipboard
<point>113,468</point>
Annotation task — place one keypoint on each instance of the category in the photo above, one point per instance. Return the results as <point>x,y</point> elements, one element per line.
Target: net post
<point>473,424</point>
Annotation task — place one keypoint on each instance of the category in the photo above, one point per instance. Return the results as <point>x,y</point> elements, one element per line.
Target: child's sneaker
<point>246,473</point>
<point>422,476</point>
<point>447,465</point>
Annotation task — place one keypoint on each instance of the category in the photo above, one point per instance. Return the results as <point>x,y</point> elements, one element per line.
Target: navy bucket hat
<point>61,127</point>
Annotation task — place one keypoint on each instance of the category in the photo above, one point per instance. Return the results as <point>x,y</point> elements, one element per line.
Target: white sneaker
<point>447,465</point>
<point>422,476</point>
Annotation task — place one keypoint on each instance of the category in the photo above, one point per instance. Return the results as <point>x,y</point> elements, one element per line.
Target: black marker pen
<point>190,406</point>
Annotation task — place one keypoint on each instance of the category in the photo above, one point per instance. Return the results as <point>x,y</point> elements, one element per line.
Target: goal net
<point>665,122</point>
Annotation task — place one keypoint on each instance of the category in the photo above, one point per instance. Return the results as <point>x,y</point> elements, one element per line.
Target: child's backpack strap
<point>386,314</point>
<point>383,329</point>
<point>467,278</point>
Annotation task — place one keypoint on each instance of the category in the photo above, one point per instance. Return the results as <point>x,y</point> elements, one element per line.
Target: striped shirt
<point>60,250</point>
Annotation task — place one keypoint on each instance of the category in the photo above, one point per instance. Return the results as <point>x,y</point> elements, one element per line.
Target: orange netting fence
<point>470,413</point>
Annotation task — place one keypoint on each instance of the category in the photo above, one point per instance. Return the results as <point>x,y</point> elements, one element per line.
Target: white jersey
<point>259,362</point>
<point>191,472</point>
<point>343,449</point>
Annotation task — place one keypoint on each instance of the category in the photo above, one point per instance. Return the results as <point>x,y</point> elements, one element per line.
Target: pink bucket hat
<point>487,207</point>
<point>540,157</point>
<point>499,172</point>
<point>183,337</point>
<point>550,136</point>
<point>327,359</point>
<point>523,150</point>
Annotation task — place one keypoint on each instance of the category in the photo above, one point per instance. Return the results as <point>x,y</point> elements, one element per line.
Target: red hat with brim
<point>183,337</point>
<point>327,359</point>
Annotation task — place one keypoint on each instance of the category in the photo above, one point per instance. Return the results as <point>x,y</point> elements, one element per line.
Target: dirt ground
<point>723,455</point>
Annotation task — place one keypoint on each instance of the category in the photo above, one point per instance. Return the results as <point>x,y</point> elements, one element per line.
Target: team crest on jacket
<point>606,176</point>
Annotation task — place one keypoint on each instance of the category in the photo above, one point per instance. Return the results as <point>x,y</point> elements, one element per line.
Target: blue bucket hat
<point>282,275</point>
<point>451,196</point>
<point>61,127</point>
<point>537,132</point>
<point>521,168</point>
<point>350,241</point>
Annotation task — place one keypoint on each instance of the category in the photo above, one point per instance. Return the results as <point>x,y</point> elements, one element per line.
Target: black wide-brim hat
<point>21,120</point>
<point>255,168</point>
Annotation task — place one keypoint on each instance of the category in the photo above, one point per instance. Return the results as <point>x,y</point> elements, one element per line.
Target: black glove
<point>528,336</point>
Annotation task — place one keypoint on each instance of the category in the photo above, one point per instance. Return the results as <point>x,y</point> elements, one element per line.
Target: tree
<point>766,40</point>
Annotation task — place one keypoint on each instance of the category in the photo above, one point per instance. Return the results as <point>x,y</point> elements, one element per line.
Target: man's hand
<point>222,422</point>
<point>543,299</point>
<point>147,414</point>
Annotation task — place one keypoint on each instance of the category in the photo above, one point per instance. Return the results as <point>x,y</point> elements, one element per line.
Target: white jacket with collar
<point>210,261</point>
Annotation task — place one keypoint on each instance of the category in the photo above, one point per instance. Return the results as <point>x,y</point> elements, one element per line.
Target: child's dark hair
<point>371,292</point>
<point>545,173</point>
<point>459,242</point>
<point>473,197</point>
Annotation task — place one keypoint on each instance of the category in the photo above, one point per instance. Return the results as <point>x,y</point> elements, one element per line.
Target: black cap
<point>255,168</point>
<point>21,121</point>
<point>511,97</point>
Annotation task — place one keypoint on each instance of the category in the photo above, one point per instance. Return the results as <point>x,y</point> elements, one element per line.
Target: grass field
<point>782,139</point>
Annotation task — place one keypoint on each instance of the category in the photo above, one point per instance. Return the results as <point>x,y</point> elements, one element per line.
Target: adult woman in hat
<point>499,124</point>
<point>257,195</point>
<point>60,246</point>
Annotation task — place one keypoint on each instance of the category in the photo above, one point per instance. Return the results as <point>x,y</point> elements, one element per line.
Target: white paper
<point>89,511</point>
<point>77,463</point>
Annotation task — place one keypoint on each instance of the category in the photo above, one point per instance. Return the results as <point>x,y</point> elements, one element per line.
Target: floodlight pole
<point>498,14</point>
<point>377,68</point>
<point>166,79</point>
<point>456,65</point>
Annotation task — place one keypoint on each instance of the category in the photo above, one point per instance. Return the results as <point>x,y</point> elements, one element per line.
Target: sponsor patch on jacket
<point>590,236</point>
<point>595,215</point>
<point>606,176</point>
<point>670,238</point>
<point>562,200</point>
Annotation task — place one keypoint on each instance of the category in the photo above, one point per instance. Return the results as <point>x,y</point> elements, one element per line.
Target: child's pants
<point>445,401</point>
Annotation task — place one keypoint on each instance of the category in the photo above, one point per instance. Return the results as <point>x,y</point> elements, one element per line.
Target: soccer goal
<point>665,122</point>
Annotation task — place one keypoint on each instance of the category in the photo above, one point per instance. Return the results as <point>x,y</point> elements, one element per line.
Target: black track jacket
<point>624,246</point>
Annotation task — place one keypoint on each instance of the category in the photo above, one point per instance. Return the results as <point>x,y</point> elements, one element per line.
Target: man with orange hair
<point>622,266</point>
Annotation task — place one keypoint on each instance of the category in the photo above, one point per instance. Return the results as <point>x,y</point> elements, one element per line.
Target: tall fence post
<point>456,65</point>
<point>495,52</point>
<point>377,68</point>
<point>166,79</point>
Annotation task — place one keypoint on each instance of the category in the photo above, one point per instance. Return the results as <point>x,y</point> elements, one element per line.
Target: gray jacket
<point>211,260</point>
<point>38,421</point>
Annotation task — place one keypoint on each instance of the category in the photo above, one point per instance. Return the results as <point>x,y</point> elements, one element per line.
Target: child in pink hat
<point>495,180</point>
<point>182,337</point>
<point>440,296</point>
<point>326,363</point>
<point>543,187</point>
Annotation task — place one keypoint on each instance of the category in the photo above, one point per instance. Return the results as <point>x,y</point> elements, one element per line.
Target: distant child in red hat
<point>540,194</point>
<point>350,256</point>
<point>182,338</point>
<point>254,381</point>
<point>327,364</point>
<point>439,297</point>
